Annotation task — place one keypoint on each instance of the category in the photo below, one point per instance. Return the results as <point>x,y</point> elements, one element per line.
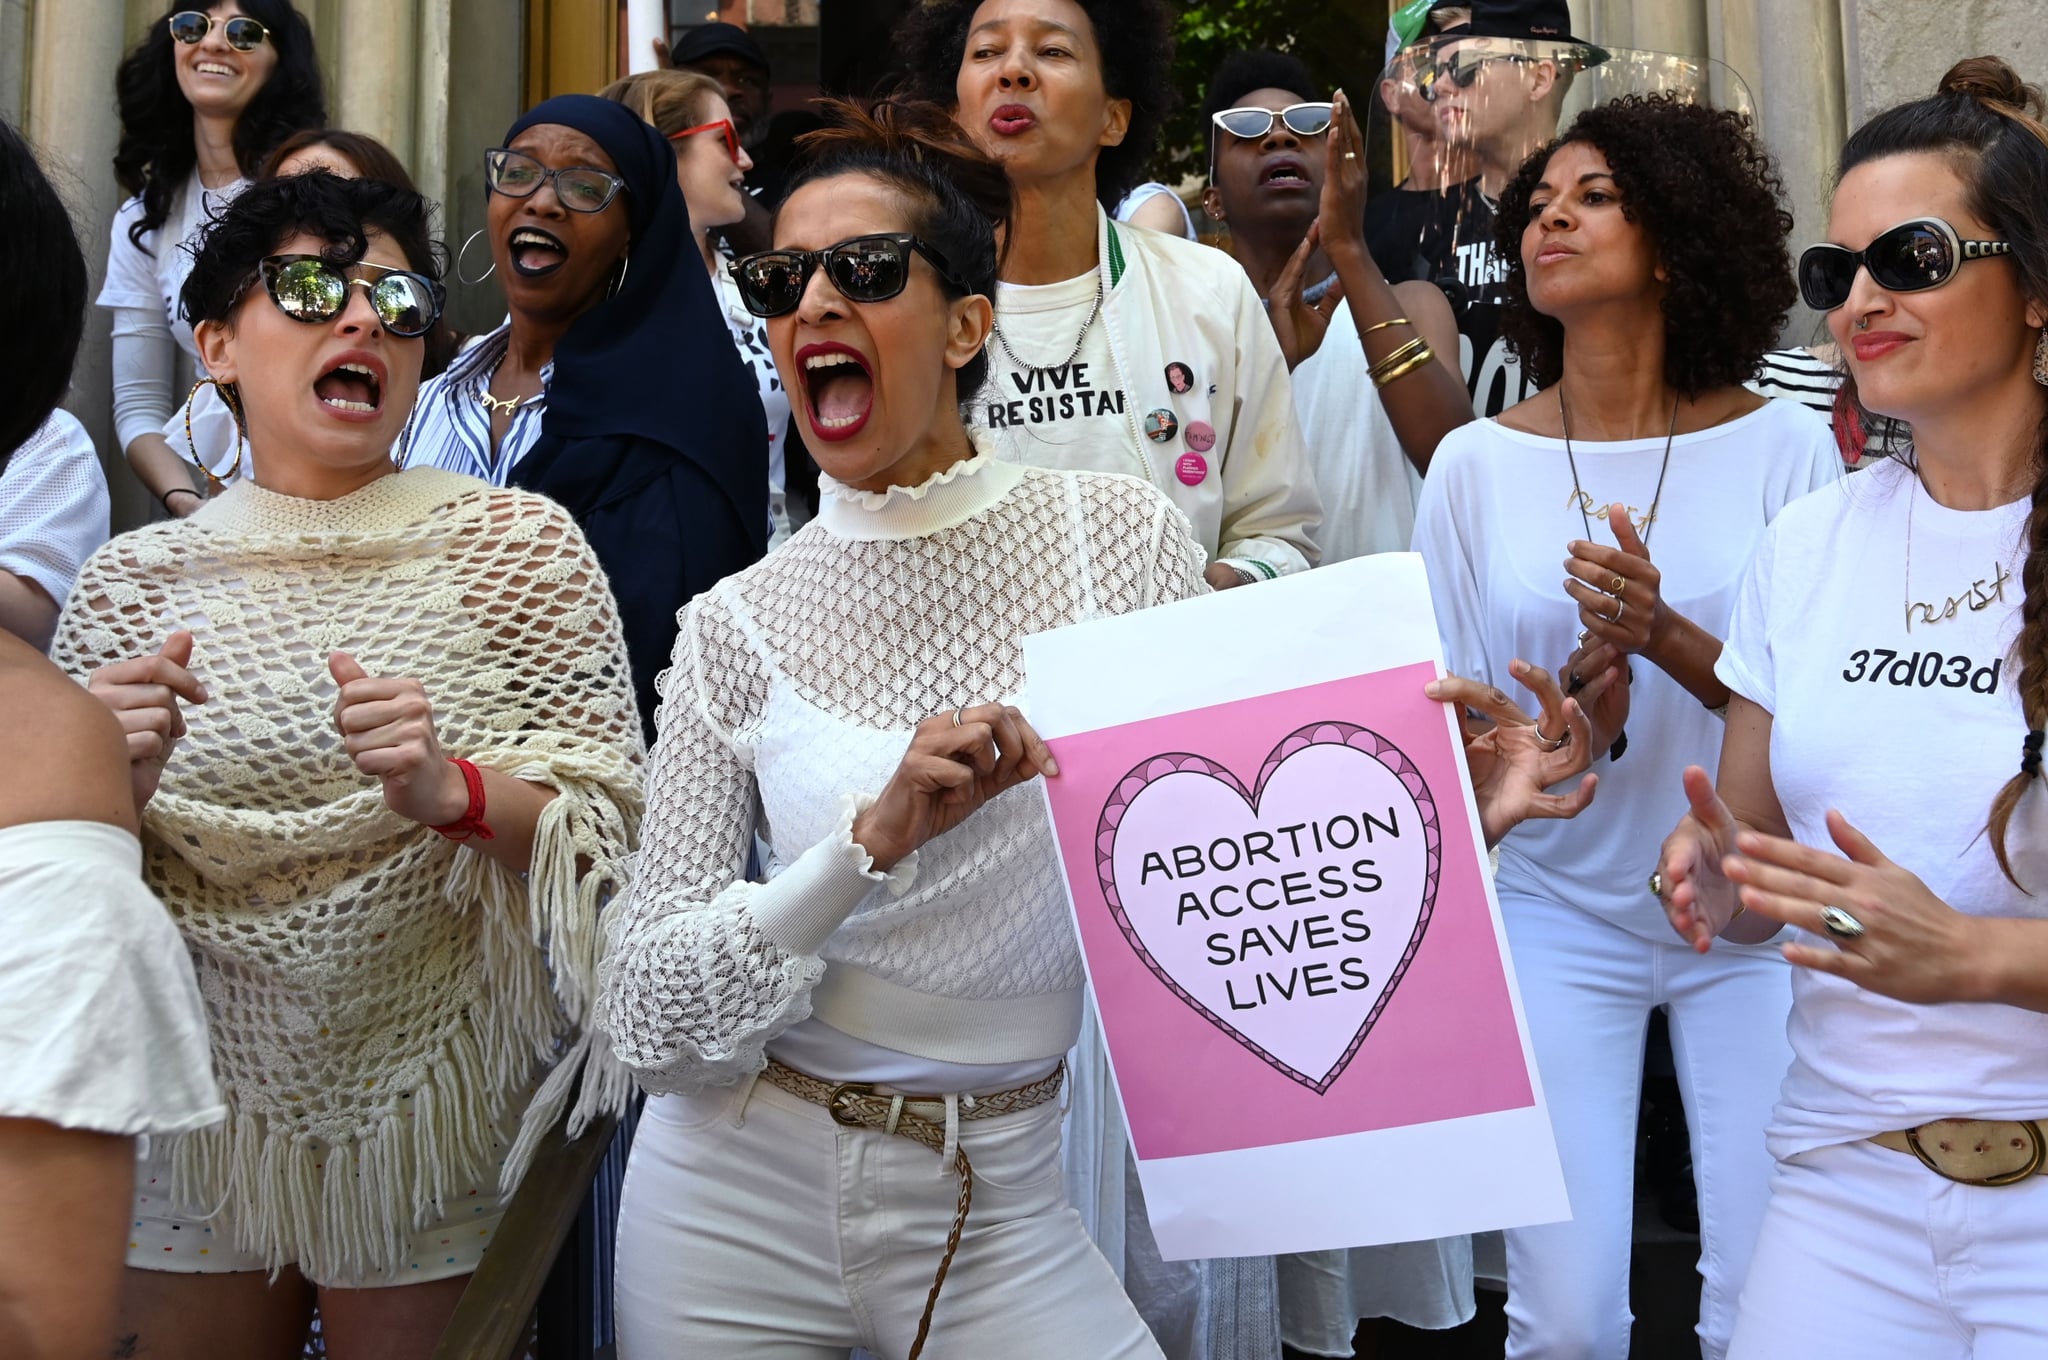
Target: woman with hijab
<point>614,387</point>
<point>689,108</point>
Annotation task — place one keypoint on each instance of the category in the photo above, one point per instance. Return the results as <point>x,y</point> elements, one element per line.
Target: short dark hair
<point>371,158</point>
<point>42,294</point>
<point>1703,187</point>
<point>156,153</point>
<point>958,195</point>
<point>343,212</point>
<point>1238,74</point>
<point>1135,38</point>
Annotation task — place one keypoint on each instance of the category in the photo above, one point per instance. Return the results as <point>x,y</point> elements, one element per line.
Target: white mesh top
<point>791,698</point>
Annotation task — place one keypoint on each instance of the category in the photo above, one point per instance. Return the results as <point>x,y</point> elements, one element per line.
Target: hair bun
<point>1993,80</point>
<point>915,130</point>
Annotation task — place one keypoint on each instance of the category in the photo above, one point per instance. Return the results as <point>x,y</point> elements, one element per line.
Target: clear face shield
<point>1448,123</point>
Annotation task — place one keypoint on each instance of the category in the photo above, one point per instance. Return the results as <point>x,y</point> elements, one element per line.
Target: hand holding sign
<point>956,762</point>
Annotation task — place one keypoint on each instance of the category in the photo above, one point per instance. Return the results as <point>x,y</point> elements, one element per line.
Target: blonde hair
<point>669,101</point>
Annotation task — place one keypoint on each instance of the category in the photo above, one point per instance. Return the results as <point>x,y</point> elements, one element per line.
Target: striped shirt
<point>1798,375</point>
<point>451,427</point>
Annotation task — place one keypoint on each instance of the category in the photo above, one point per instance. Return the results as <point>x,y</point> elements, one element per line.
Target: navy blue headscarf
<point>653,438</point>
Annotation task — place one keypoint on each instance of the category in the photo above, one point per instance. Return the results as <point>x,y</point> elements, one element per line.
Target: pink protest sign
<point>1282,898</point>
<point>1297,930</point>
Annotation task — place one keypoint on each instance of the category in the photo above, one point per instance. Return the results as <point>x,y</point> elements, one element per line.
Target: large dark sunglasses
<point>863,269</point>
<point>579,188</point>
<point>1303,120</point>
<point>310,289</point>
<point>1461,68</point>
<point>1909,258</point>
<point>244,34</point>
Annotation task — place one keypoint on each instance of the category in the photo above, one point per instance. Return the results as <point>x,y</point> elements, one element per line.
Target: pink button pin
<point>1191,468</point>
<point>1201,436</point>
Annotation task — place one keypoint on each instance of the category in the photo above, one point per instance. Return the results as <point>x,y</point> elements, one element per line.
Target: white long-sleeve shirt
<point>154,352</point>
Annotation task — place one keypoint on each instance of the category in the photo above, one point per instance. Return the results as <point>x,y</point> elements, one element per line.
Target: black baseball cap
<point>711,40</point>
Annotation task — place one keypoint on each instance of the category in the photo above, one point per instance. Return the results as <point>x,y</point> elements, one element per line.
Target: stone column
<point>72,122</point>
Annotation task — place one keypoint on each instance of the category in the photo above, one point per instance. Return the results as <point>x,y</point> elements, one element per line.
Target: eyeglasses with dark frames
<point>579,188</point>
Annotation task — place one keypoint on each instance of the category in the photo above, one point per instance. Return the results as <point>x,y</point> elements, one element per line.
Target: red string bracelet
<point>471,823</point>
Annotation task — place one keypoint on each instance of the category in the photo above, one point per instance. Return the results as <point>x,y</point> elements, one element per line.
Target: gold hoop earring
<point>234,412</point>
<point>2041,359</point>
<point>463,254</point>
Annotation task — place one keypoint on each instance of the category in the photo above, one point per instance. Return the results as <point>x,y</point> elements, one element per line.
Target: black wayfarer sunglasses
<point>863,269</point>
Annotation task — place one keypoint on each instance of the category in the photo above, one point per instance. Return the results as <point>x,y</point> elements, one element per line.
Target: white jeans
<point>753,1227</point>
<point>1588,988</point>
<point>1867,1253</point>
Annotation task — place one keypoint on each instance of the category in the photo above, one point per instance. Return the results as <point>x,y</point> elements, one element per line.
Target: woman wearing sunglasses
<point>848,700</point>
<point>1069,95</point>
<point>204,97</point>
<point>1889,670</point>
<point>614,387</point>
<point>689,108</point>
<point>1648,274</point>
<point>383,749</point>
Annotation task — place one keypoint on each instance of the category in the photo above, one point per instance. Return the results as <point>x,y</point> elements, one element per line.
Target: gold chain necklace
<point>509,405</point>
<point>1980,595</point>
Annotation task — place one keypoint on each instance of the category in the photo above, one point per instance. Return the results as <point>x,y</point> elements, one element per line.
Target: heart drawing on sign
<point>1287,914</point>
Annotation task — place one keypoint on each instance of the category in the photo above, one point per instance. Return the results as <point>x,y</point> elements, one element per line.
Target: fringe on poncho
<point>348,956</point>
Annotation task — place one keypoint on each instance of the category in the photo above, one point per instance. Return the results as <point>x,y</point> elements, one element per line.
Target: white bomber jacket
<point>1257,506</point>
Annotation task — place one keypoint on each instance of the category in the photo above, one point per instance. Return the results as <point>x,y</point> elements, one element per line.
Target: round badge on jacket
<point>1201,436</point>
<point>1191,468</point>
<point>1161,426</point>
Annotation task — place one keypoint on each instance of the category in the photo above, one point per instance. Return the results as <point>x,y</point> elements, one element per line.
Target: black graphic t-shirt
<point>1446,237</point>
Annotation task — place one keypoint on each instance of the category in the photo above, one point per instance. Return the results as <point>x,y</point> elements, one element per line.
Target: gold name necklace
<point>1979,596</point>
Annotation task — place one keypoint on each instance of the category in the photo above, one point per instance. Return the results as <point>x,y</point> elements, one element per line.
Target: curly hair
<point>342,212</point>
<point>156,153</point>
<point>42,290</point>
<point>957,194</point>
<point>1701,184</point>
<point>1242,72</point>
<point>1135,38</point>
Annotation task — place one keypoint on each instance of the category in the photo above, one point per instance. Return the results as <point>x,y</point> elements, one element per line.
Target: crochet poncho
<point>347,955</point>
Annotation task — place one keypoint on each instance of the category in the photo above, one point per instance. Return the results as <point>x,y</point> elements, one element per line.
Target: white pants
<point>753,1227</point>
<point>1588,988</point>
<point>1865,1253</point>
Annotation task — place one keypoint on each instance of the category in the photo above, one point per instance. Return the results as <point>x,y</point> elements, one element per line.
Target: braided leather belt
<point>1975,1151</point>
<point>857,1105</point>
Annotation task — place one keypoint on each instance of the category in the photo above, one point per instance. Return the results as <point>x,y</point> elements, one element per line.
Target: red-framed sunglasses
<point>732,138</point>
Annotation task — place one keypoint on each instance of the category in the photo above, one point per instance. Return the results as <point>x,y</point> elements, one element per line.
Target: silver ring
<point>1351,155</point>
<point>1550,744</point>
<point>1620,608</point>
<point>1657,883</point>
<point>956,714</point>
<point>1841,924</point>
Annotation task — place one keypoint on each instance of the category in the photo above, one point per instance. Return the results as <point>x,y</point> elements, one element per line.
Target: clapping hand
<point>957,761</point>
<point>1512,761</point>
<point>1618,591</point>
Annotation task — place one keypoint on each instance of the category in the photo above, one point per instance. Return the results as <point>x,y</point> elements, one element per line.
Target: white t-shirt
<point>101,1026</point>
<point>53,506</point>
<point>142,288</point>
<point>1497,510</point>
<point>750,336</point>
<point>1369,487</point>
<point>1061,404</point>
<point>1910,732</point>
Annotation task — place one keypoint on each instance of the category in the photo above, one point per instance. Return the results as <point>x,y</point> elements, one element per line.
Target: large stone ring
<point>1657,885</point>
<point>1841,924</point>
